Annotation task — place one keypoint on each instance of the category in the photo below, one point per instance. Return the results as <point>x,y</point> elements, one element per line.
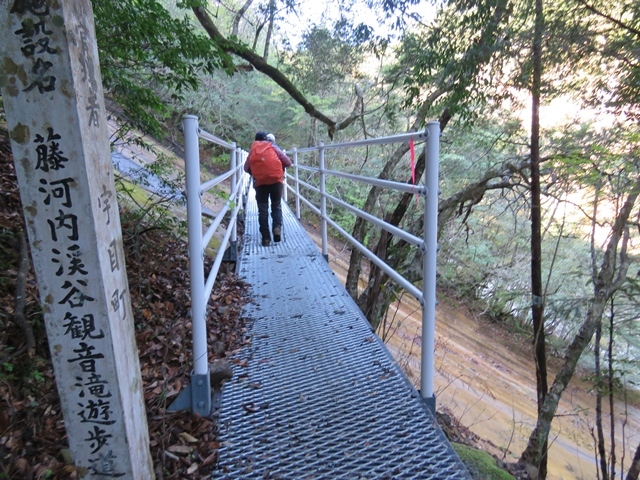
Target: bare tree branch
<point>360,226</point>
<point>473,193</point>
<point>276,75</point>
<point>238,16</point>
<point>615,21</point>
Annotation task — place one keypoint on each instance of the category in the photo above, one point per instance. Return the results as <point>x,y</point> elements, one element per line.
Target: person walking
<point>272,139</point>
<point>266,164</point>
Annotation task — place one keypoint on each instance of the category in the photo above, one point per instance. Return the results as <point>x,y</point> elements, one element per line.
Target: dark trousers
<point>263,194</point>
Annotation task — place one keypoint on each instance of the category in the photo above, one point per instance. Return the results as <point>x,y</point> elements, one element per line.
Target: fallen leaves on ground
<point>33,443</point>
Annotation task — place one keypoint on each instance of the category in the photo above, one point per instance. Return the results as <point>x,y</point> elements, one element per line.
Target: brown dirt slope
<point>485,383</point>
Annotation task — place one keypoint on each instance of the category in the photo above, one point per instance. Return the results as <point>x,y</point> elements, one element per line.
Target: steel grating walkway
<point>316,395</point>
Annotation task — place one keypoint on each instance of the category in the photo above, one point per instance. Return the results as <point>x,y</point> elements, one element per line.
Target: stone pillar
<point>53,99</point>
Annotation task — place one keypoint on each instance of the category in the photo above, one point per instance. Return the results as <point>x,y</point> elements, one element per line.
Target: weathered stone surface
<point>219,371</point>
<point>54,104</point>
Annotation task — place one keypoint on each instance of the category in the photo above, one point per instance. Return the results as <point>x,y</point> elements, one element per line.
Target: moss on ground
<point>480,464</point>
<point>131,194</point>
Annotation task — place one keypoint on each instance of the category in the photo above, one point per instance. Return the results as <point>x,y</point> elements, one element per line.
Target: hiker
<point>272,139</point>
<point>266,164</point>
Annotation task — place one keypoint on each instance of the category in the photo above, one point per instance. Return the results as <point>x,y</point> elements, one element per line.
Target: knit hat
<point>261,136</point>
<point>271,137</point>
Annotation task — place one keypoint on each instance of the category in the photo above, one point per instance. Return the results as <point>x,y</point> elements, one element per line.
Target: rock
<point>219,347</point>
<point>219,371</point>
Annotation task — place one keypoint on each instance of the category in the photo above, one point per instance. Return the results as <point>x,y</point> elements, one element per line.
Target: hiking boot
<point>276,234</point>
<point>266,240</point>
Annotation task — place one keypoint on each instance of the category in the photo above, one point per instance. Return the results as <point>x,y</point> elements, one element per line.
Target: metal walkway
<point>316,395</point>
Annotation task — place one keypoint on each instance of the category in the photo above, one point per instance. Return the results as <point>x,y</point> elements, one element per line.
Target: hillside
<point>33,444</point>
<point>485,389</point>
<point>485,382</point>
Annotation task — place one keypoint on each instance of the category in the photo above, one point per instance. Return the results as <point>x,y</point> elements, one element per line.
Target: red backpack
<point>266,167</point>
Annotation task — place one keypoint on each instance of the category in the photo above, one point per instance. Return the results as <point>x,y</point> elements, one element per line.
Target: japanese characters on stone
<point>59,196</point>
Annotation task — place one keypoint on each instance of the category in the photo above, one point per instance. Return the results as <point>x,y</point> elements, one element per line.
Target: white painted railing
<point>428,244</point>
<point>197,396</point>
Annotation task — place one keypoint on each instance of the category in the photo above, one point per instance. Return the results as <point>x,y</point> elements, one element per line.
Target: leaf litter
<point>33,442</point>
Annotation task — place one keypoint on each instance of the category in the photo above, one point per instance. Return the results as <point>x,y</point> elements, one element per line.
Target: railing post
<point>247,186</point>
<point>429,265</point>
<point>234,194</point>
<point>200,388</point>
<point>285,190</point>
<point>323,204</point>
<point>295,171</point>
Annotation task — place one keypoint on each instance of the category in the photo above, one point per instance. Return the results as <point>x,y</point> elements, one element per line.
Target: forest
<point>538,105</point>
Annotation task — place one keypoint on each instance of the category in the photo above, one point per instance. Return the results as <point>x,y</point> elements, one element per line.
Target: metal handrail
<point>379,182</point>
<point>428,244</point>
<point>213,139</point>
<point>213,227</point>
<point>398,232</point>
<point>198,392</point>
<point>197,395</point>
<point>400,138</point>
<point>205,187</point>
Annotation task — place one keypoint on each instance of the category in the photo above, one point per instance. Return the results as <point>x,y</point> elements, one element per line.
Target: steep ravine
<point>485,378</point>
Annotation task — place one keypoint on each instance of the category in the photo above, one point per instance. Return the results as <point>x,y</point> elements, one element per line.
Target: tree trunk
<point>607,282</point>
<point>634,470</point>
<point>238,16</point>
<point>361,227</point>
<point>370,302</point>
<point>600,447</point>
<point>612,418</point>
<point>256,37</point>
<point>537,295</point>
<point>267,40</point>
